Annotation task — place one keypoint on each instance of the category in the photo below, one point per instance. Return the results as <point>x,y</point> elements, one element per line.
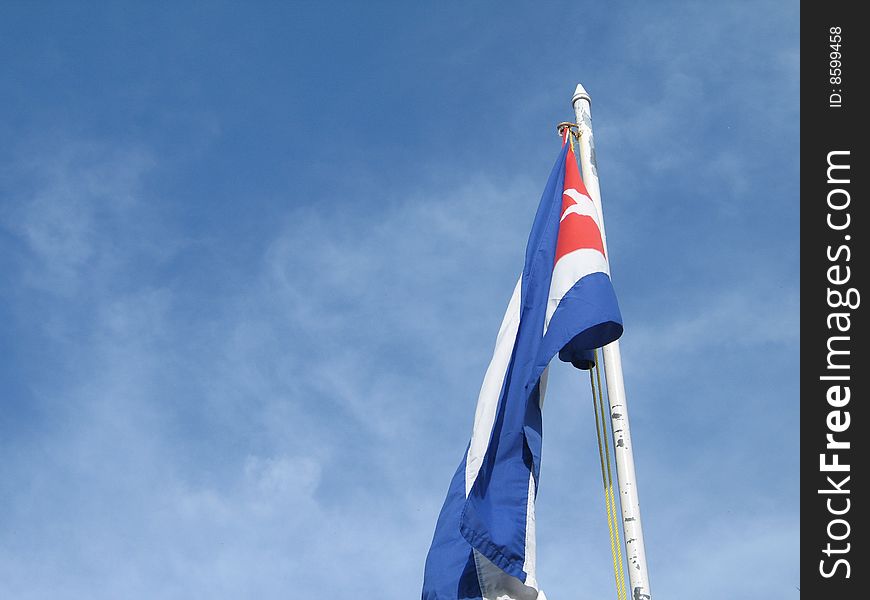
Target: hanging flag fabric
<point>484,543</point>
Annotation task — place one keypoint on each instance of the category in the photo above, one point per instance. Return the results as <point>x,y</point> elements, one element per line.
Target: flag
<point>484,542</point>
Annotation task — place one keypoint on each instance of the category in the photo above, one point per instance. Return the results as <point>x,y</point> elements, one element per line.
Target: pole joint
<point>573,127</point>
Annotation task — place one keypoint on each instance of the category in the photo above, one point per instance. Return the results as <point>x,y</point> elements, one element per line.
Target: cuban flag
<point>484,543</point>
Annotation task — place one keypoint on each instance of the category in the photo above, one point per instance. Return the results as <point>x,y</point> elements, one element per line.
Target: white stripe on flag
<point>487,401</point>
<point>570,269</point>
<point>530,566</point>
<point>495,584</point>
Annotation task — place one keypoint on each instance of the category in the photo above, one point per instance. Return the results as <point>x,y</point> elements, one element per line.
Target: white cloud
<point>303,382</point>
<point>86,193</point>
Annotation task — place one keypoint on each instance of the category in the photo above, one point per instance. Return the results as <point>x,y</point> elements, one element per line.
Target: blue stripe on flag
<point>450,571</point>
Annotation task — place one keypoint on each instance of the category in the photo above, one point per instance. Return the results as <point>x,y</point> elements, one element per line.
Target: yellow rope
<point>609,504</point>
<point>574,135</point>
<point>609,484</point>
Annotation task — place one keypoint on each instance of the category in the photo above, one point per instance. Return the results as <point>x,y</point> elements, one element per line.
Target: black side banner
<point>834,370</point>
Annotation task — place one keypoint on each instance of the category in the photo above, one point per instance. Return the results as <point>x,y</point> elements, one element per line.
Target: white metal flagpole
<point>631,524</point>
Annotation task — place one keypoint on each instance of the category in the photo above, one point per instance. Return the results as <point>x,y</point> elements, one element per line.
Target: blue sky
<point>255,256</point>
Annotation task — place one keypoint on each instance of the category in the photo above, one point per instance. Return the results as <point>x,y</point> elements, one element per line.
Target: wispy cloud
<point>66,204</point>
<point>277,417</point>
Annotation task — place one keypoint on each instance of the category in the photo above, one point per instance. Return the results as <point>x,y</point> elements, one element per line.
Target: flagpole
<point>631,523</point>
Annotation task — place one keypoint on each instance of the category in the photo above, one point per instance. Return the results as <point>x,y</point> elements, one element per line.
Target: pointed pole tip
<point>580,93</point>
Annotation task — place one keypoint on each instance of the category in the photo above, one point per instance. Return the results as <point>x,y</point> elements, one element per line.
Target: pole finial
<point>580,93</point>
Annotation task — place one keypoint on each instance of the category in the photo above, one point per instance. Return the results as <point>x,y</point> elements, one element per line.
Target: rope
<point>607,479</point>
<point>607,506</point>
